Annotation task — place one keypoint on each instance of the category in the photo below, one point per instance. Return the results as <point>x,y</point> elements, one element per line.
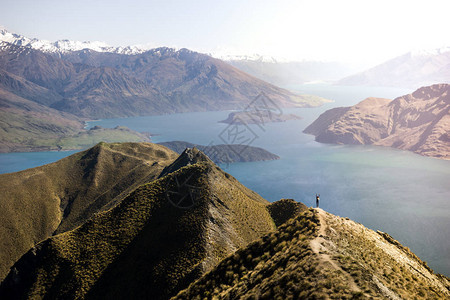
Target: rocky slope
<point>409,70</point>
<point>39,202</point>
<point>418,122</point>
<point>317,255</point>
<point>155,242</point>
<point>224,154</point>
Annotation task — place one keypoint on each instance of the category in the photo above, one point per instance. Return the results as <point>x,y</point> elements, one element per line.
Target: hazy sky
<point>343,30</point>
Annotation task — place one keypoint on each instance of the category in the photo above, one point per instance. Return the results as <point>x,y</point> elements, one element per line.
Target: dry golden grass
<point>281,265</point>
<point>352,262</point>
<point>380,265</point>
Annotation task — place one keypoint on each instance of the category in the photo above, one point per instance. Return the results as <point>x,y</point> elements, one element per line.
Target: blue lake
<point>385,189</point>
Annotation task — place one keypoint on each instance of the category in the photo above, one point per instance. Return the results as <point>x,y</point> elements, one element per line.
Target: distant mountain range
<point>134,221</point>
<point>99,82</point>
<point>418,122</point>
<point>284,73</point>
<point>411,70</point>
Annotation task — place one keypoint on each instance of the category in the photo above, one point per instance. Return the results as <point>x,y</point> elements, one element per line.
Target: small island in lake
<point>258,117</point>
<point>225,153</point>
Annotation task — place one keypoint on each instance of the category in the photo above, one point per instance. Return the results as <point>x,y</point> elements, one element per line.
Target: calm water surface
<point>385,189</point>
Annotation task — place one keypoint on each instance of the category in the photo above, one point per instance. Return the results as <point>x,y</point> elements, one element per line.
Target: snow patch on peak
<point>64,46</point>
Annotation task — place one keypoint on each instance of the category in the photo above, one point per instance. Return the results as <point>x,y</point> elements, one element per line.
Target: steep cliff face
<point>418,122</point>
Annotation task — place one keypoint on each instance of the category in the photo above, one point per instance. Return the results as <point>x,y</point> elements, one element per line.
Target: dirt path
<point>320,246</point>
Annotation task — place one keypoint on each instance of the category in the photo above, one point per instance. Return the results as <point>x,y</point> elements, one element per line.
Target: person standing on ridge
<point>317,200</point>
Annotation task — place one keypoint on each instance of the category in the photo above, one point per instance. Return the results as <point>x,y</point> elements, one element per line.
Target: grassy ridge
<point>320,256</point>
<point>57,197</point>
<point>210,238</point>
<point>268,268</point>
<point>87,258</point>
<point>376,261</point>
<point>145,245</point>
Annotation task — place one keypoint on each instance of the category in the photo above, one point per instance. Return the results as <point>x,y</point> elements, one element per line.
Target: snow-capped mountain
<point>64,46</point>
<point>411,70</point>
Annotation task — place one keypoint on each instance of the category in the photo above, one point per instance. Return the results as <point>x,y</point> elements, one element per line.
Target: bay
<point>18,161</point>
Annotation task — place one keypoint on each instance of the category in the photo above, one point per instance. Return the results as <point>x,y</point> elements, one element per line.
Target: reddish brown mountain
<point>418,122</point>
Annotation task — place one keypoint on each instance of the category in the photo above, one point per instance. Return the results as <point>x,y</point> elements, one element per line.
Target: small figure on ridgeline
<point>317,200</point>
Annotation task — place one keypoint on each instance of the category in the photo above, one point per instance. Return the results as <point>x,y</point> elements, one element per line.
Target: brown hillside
<point>163,80</point>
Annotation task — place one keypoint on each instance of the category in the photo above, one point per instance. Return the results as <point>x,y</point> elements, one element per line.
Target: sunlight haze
<point>351,30</point>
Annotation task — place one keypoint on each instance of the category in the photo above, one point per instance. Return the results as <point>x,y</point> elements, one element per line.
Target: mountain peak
<point>190,156</point>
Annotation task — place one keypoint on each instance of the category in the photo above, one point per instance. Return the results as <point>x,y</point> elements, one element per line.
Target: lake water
<point>385,189</point>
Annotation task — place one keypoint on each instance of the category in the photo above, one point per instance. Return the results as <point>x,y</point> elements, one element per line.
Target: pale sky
<point>332,30</point>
